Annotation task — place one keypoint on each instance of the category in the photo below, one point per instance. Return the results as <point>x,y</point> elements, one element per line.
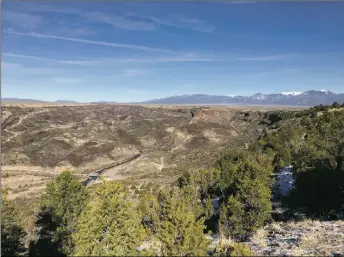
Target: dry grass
<point>304,238</point>
<point>260,237</point>
<point>336,109</point>
<point>275,227</point>
<point>309,240</point>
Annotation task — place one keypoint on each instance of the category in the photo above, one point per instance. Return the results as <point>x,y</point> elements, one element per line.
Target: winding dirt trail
<point>112,172</point>
<point>19,122</point>
<point>161,165</point>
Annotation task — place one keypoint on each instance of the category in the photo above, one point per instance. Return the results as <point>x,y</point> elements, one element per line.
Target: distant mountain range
<point>307,98</point>
<point>33,101</point>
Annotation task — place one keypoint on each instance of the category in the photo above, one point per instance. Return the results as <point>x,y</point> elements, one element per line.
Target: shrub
<point>61,206</point>
<point>235,249</point>
<point>246,210</point>
<point>12,235</point>
<point>109,225</point>
<point>169,217</point>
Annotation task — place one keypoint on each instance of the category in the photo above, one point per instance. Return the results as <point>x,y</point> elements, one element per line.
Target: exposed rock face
<point>213,116</point>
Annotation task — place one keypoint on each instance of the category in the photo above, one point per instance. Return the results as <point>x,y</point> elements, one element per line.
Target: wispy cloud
<point>8,65</point>
<point>79,62</point>
<point>40,22</point>
<point>21,19</point>
<point>88,62</point>
<point>128,20</point>
<point>242,2</point>
<point>178,21</point>
<point>68,30</point>
<point>266,58</point>
<point>162,59</point>
<point>274,72</point>
<point>24,70</point>
<point>176,58</point>
<point>133,72</point>
<point>38,58</point>
<point>27,57</point>
<point>93,42</point>
<point>67,80</point>
<point>118,21</point>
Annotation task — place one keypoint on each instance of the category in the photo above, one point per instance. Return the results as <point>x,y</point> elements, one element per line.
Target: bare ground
<point>303,238</point>
<point>46,140</point>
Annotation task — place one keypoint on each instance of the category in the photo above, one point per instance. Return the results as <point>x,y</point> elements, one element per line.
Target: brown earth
<point>39,142</point>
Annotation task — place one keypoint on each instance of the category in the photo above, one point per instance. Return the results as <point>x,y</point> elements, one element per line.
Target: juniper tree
<point>12,235</point>
<point>109,226</point>
<point>171,217</point>
<point>246,210</point>
<point>61,205</point>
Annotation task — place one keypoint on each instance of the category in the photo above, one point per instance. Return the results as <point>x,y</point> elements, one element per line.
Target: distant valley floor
<point>41,141</point>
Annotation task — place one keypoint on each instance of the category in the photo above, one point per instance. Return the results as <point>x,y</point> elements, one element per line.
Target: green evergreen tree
<point>231,221</point>
<point>180,233</point>
<point>336,105</point>
<point>237,164</point>
<point>171,217</point>
<point>61,205</point>
<point>246,210</point>
<point>150,211</point>
<point>48,242</point>
<point>208,208</point>
<point>109,226</point>
<point>12,235</point>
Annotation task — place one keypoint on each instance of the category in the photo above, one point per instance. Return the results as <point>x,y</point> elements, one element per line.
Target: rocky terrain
<point>296,238</point>
<point>300,237</point>
<point>303,238</point>
<point>122,141</point>
<point>145,146</point>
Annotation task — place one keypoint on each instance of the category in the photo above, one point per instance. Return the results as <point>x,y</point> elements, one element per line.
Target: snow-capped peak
<point>291,93</point>
<point>259,96</point>
<point>231,95</point>
<point>325,91</point>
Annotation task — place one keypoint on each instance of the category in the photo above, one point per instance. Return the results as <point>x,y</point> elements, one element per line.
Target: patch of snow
<point>259,96</point>
<point>216,204</point>
<point>325,91</point>
<point>291,93</point>
<point>215,240</point>
<point>284,180</point>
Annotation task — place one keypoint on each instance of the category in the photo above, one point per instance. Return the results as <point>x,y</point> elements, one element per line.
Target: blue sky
<point>134,51</point>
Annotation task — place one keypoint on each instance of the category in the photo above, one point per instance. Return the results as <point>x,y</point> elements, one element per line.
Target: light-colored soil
<point>304,238</point>
<point>28,181</point>
<point>24,185</point>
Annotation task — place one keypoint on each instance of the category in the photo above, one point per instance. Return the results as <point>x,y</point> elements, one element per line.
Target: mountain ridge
<point>307,98</point>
